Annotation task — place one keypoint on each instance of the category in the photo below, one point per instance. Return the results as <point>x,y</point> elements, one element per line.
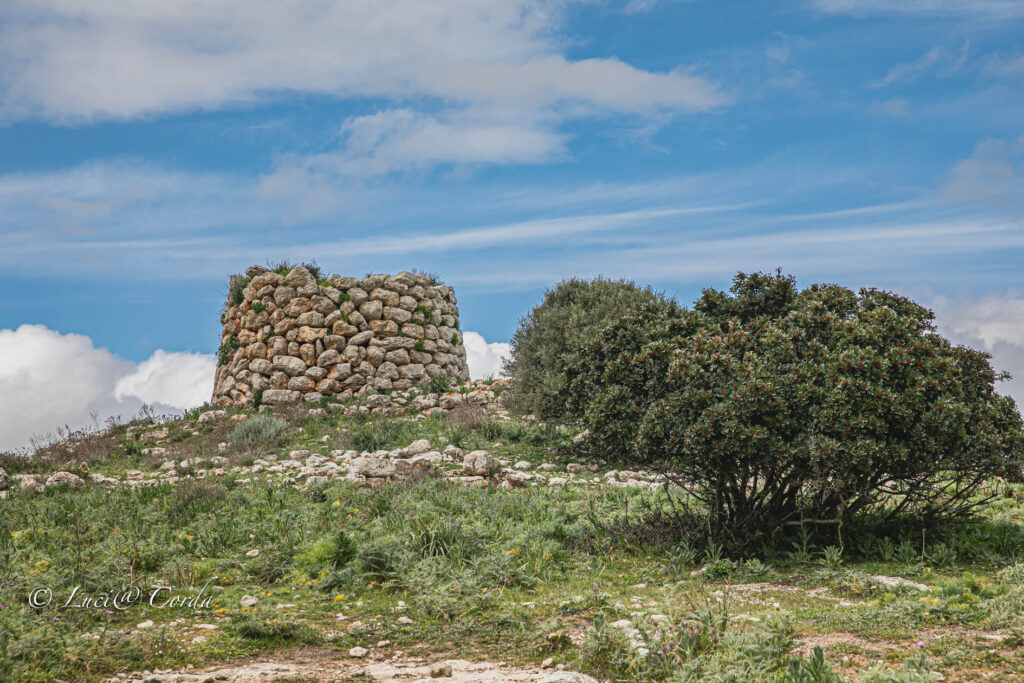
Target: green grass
<point>518,575</point>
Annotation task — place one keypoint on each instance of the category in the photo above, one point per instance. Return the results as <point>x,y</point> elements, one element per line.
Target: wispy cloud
<point>978,8</point>
<point>909,71</point>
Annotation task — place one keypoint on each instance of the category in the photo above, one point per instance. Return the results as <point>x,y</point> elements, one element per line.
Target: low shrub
<point>258,429</point>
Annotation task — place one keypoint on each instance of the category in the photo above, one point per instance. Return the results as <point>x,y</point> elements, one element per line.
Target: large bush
<point>549,337</point>
<point>780,407</point>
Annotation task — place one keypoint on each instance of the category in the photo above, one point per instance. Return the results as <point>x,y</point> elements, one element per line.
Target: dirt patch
<point>398,669</point>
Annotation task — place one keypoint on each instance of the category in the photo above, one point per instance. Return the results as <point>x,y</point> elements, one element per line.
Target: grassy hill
<point>429,522</point>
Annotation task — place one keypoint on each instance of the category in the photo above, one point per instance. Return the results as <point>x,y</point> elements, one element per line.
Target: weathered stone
<point>323,305</point>
<point>65,479</point>
<point>413,330</point>
<point>357,296</point>
<point>343,328</point>
<point>413,371</point>
<point>384,328</point>
<point>328,358</point>
<point>480,463</point>
<point>272,397</point>
<point>399,315</point>
<point>282,295</point>
<point>398,357</point>
<point>375,355</point>
<point>310,318</point>
<point>299,277</point>
<point>372,467</point>
<point>371,310</point>
<point>328,386</point>
<point>307,352</point>
<point>261,366</point>
<point>289,365</point>
<point>361,338</point>
<point>269,279</point>
<point>316,373</point>
<point>297,306</point>
<point>3,479</point>
<point>340,371</point>
<point>387,370</point>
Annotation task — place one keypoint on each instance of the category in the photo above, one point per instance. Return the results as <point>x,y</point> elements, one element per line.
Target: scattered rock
<point>480,464</point>
<point>65,478</point>
<point>358,652</point>
<point>249,600</point>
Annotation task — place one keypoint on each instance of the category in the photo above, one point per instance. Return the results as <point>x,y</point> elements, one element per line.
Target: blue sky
<point>149,149</point>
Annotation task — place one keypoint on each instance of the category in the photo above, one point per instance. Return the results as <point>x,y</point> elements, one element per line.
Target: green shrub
<point>548,339</point>
<point>237,284</point>
<point>227,349</point>
<point>257,306</point>
<point>829,401</point>
<point>262,429</point>
<point>439,384</point>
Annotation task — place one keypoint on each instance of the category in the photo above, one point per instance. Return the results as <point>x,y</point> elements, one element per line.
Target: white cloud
<point>993,174</point>
<point>980,8</point>
<point>993,322</point>
<point>179,380</point>
<point>404,140</point>
<point>69,60</point>
<point>50,380</point>
<point>484,358</point>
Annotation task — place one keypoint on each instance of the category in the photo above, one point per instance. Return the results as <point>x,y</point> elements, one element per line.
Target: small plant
<point>270,625</point>
<point>260,429</point>
<point>227,349</point>
<point>455,339</point>
<point>422,310</point>
<point>236,289</point>
<point>681,558</point>
<point>439,384</point>
<point>418,346</point>
<point>257,306</point>
<point>832,556</point>
<point>345,297</point>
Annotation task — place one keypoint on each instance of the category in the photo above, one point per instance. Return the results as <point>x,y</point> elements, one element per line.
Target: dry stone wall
<point>289,337</point>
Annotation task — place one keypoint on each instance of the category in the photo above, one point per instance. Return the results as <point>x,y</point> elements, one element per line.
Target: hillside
<point>403,536</point>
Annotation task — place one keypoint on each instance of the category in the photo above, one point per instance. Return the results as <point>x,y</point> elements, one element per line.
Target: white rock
<point>249,600</point>
<point>358,652</point>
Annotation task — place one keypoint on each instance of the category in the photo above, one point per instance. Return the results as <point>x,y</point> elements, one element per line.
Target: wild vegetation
<point>608,551</point>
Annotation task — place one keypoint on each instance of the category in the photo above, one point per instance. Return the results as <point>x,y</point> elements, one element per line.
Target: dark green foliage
<point>257,306</point>
<point>262,429</point>
<point>549,338</point>
<point>422,310</point>
<point>418,346</point>
<point>227,349</point>
<point>455,339</point>
<point>779,406</point>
